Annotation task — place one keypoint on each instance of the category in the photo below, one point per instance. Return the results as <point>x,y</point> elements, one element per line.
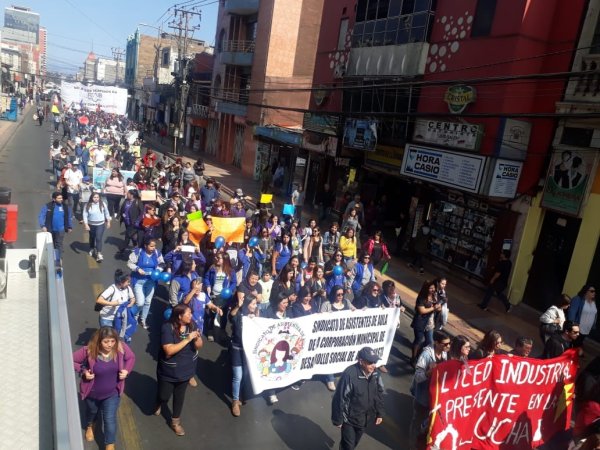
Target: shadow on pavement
<point>79,247</point>
<point>216,375</point>
<point>396,405</point>
<point>299,432</point>
<point>141,389</point>
<point>84,336</point>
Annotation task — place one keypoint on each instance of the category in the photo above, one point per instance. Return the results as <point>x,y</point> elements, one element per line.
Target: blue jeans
<point>143,289</point>
<point>105,322</point>
<point>239,372</point>
<point>109,407</point>
<point>96,235</point>
<point>423,338</point>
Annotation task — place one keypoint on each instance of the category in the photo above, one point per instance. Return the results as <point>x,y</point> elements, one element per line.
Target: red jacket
<point>368,247</point>
<point>82,361</point>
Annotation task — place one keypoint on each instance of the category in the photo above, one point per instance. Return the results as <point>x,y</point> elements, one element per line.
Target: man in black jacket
<point>561,342</point>
<point>358,399</point>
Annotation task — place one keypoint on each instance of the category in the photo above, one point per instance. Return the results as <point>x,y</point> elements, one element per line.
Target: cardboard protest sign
<point>100,175</point>
<point>148,196</point>
<point>288,210</point>
<point>281,352</point>
<point>194,215</point>
<point>266,198</point>
<point>504,402</point>
<point>231,228</point>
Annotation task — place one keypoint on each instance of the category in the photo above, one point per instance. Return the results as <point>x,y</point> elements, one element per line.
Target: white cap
<point>191,190</point>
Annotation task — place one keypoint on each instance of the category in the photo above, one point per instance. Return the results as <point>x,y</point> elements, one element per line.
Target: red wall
<point>522,30</point>
<point>329,58</point>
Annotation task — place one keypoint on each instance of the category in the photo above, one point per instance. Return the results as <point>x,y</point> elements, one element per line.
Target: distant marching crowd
<point>283,269</point>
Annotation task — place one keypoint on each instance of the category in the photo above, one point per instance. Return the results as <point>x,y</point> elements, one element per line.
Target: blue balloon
<point>167,313</point>
<point>253,242</point>
<point>338,270</point>
<point>219,242</point>
<point>226,293</point>
<point>165,277</point>
<point>155,275</point>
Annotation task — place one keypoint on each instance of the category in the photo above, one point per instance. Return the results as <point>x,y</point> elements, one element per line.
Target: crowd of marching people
<point>284,268</point>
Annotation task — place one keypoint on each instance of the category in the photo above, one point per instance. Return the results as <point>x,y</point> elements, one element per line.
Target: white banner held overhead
<point>282,352</point>
<point>110,99</point>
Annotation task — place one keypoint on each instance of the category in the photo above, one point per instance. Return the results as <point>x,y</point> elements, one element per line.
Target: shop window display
<point>461,236</point>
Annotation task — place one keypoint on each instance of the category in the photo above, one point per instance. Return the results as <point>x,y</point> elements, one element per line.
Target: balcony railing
<point>239,46</point>
<point>200,111</point>
<point>588,85</point>
<point>232,102</point>
<point>233,96</point>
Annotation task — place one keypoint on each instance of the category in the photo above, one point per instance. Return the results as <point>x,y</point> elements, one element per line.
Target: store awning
<point>281,135</point>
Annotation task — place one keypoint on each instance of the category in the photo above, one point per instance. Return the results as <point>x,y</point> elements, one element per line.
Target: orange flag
<point>231,228</point>
<point>197,230</point>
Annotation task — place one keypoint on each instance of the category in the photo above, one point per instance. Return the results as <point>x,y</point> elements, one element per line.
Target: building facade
<point>562,249</point>
<point>262,46</point>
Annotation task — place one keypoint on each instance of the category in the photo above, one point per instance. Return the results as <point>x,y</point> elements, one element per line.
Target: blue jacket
<point>358,275</point>
<point>208,195</point>
<point>173,259</point>
<point>55,219</point>
<point>139,259</point>
<point>245,261</point>
<point>575,309</point>
<point>210,277</point>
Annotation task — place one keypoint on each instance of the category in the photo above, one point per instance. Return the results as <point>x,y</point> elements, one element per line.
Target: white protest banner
<point>100,175</point>
<point>282,352</point>
<point>111,99</point>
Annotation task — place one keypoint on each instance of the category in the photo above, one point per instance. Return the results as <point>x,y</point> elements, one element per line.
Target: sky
<point>76,27</point>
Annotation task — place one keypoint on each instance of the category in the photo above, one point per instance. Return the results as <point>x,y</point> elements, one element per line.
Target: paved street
<point>299,421</point>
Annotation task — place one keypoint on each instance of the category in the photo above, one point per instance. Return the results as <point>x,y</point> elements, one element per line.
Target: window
<point>595,47</point>
<point>484,18</point>
<point>342,36</point>
<point>165,58</point>
<point>577,137</point>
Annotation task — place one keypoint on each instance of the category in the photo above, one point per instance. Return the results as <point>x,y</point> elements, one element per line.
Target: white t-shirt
<point>73,179</point>
<point>111,294</point>
<point>266,289</point>
<point>588,317</point>
<point>99,155</point>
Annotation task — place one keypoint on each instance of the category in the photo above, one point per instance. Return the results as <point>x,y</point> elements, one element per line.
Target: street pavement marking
<point>97,289</point>
<point>128,431</point>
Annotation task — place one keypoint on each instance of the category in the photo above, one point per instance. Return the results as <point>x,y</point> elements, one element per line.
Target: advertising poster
<point>456,170</point>
<point>505,178</point>
<point>567,181</point>
<point>360,134</point>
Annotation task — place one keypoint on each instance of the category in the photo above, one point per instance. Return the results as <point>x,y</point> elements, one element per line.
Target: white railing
<point>200,110</point>
<point>66,419</point>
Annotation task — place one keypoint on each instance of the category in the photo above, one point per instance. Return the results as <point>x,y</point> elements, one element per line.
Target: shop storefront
<point>469,220</point>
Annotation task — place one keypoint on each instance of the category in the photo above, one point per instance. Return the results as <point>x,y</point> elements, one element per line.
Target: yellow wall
<point>524,257</point>
<point>587,241</point>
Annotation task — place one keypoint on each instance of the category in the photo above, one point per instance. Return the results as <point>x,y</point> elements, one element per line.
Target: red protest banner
<point>504,402</point>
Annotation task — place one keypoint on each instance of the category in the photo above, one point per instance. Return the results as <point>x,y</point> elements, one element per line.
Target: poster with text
<point>110,99</point>
<point>504,402</point>
<point>100,175</point>
<point>282,352</point>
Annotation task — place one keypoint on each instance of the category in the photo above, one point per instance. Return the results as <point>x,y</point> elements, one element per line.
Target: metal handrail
<point>236,96</point>
<point>239,46</point>
<point>66,419</point>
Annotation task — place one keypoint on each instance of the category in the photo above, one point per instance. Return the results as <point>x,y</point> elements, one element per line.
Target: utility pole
<point>117,55</point>
<point>182,24</point>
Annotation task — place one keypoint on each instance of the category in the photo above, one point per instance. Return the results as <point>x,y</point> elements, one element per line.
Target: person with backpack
<point>55,218</point>
<point>112,297</point>
<point>96,218</point>
<point>142,262</point>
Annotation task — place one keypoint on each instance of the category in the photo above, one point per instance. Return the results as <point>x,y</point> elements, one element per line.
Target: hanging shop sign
<point>505,178</point>
<point>320,143</point>
<point>515,139</point>
<point>321,123</point>
<point>456,170</point>
<point>458,97</point>
<point>360,134</point>
<point>568,180</point>
<point>464,136</point>
<point>385,159</point>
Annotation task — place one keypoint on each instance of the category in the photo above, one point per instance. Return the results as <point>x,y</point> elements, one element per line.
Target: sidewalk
<point>465,317</point>
<point>8,128</point>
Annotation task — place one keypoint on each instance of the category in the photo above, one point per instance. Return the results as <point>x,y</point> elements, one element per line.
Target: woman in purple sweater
<point>103,365</point>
